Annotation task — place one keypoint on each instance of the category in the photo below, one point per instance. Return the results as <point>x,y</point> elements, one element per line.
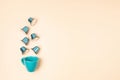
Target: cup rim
<point>37,59</point>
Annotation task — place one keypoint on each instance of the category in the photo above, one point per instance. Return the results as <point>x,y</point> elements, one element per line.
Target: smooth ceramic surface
<point>30,62</point>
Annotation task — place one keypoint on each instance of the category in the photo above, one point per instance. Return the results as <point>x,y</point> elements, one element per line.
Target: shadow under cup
<point>30,62</point>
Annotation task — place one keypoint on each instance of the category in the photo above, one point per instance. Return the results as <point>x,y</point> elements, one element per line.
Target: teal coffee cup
<point>30,62</point>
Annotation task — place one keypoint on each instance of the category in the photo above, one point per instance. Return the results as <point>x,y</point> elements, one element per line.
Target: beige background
<point>79,39</point>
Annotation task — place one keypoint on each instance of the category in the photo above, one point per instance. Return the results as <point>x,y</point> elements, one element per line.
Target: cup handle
<point>22,60</point>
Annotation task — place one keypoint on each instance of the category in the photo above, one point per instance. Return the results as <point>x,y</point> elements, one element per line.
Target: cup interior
<point>31,59</point>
